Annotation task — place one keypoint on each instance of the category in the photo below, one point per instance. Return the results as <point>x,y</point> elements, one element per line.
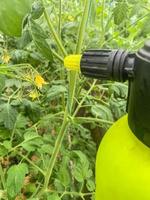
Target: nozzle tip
<point>72,62</point>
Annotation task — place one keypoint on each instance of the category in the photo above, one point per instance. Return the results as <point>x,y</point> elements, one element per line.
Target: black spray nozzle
<point>120,65</point>
<point>114,65</point>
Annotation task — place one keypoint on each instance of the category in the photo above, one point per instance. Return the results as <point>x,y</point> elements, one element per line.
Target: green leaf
<point>4,133</point>
<point>102,112</point>
<point>2,83</point>
<point>118,97</point>
<point>12,14</point>
<point>46,148</point>
<point>118,107</point>
<point>37,9</point>
<point>81,170</point>
<point>118,90</point>
<point>15,179</point>
<point>25,39</point>
<point>120,12</point>
<point>53,197</point>
<point>32,110</point>
<point>7,144</point>
<point>8,114</point>
<point>55,91</point>
<point>146,27</point>
<point>90,184</point>
<point>21,122</point>
<point>39,38</point>
<point>63,174</point>
<point>30,188</point>
<point>3,150</point>
<point>13,82</point>
<point>32,141</point>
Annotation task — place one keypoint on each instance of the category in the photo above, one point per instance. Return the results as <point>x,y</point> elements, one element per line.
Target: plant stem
<point>63,193</point>
<point>55,35</point>
<point>102,24</point>
<point>2,177</point>
<point>29,161</point>
<point>81,33</point>
<point>83,99</point>
<point>58,144</point>
<point>60,58</point>
<point>59,23</point>
<point>72,86</point>
<point>91,119</point>
<point>131,25</point>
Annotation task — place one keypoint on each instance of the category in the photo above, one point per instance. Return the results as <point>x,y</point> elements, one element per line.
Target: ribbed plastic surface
<point>95,64</point>
<point>107,64</point>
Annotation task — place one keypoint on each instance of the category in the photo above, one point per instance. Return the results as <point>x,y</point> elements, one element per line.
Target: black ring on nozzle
<point>107,64</point>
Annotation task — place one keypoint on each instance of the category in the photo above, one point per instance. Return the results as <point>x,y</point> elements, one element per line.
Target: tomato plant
<point>52,120</point>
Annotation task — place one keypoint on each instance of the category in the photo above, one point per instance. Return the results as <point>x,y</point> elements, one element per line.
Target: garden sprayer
<point>123,159</point>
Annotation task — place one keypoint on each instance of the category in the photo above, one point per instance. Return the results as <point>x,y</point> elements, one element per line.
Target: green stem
<point>81,33</point>
<point>2,177</point>
<point>55,35</point>
<point>59,23</point>
<point>58,144</point>
<point>102,24</point>
<point>84,98</point>
<point>60,58</point>
<point>72,86</point>
<point>91,119</point>
<point>72,193</point>
<point>29,161</point>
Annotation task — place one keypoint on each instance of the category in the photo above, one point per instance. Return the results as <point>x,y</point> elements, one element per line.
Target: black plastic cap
<point>107,64</point>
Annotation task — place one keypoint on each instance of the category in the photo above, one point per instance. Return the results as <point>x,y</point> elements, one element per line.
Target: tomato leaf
<point>15,179</point>
<point>8,114</point>
<point>39,38</point>
<point>12,14</point>
<point>37,9</point>
<point>120,12</point>
<point>31,141</point>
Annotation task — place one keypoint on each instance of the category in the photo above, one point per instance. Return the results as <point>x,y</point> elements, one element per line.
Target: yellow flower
<point>6,57</point>
<point>34,95</point>
<point>39,81</point>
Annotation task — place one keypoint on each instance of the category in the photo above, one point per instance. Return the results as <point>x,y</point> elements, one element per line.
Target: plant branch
<point>55,35</point>
<point>58,144</point>
<point>131,25</point>
<point>60,58</point>
<point>81,33</point>
<point>29,161</point>
<point>2,177</point>
<point>84,98</point>
<point>91,119</point>
<point>102,24</point>
<point>72,86</point>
